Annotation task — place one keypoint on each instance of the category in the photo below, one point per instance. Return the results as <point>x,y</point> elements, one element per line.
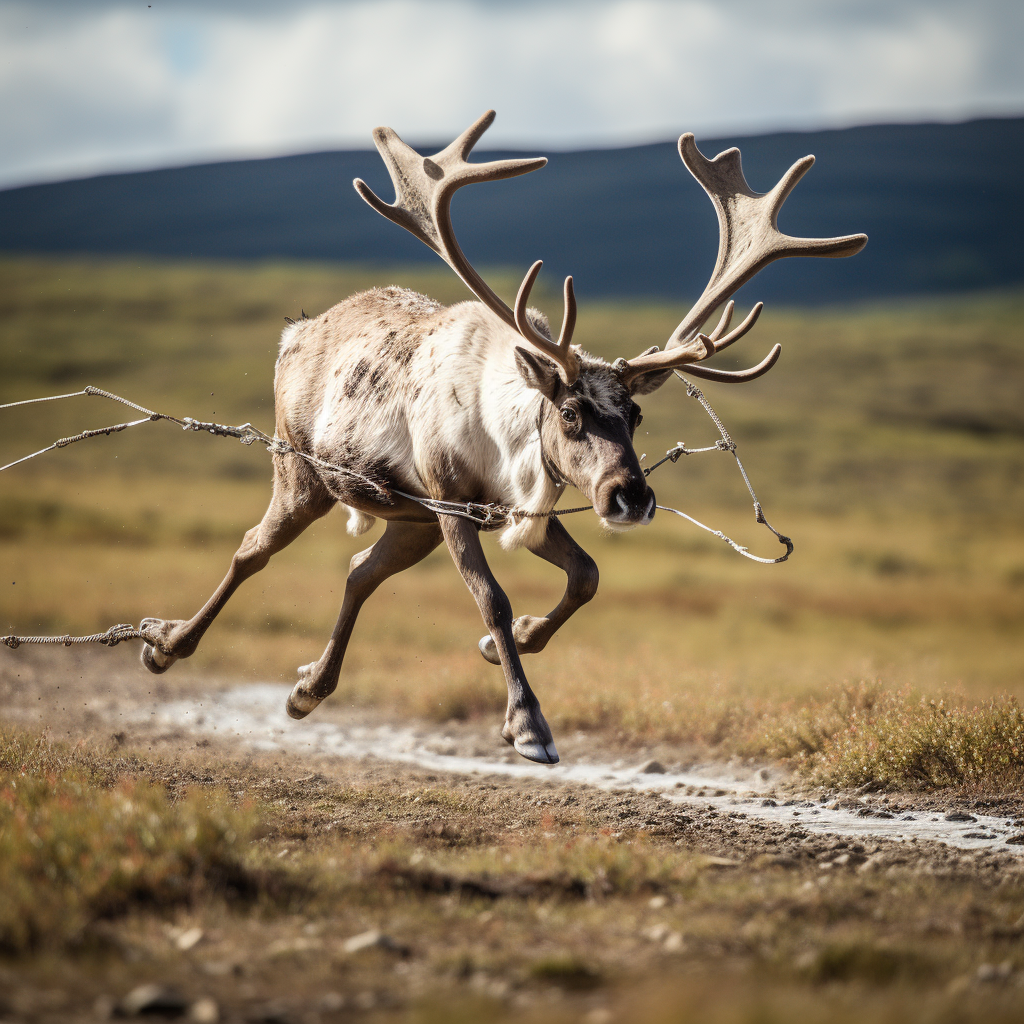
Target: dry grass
<point>76,848</point>
<point>498,906</point>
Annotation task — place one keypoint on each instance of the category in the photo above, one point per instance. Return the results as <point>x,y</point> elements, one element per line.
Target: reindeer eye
<point>569,415</point>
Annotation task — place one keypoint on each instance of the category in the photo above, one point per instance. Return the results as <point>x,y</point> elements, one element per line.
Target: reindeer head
<point>589,413</point>
<point>586,435</point>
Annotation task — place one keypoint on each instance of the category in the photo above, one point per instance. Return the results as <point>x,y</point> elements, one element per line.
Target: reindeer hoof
<point>530,747</point>
<point>489,649</point>
<point>542,753</point>
<point>155,661</point>
<point>300,703</point>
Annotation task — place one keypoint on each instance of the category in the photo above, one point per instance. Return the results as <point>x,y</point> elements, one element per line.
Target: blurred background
<point>177,180</point>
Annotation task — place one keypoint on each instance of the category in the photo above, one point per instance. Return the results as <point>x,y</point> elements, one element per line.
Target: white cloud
<point>91,86</point>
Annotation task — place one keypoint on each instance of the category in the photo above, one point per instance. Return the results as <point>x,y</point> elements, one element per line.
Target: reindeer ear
<point>540,373</point>
<point>645,383</point>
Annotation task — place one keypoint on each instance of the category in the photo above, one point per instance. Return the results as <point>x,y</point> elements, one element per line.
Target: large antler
<point>748,240</point>
<point>424,187</point>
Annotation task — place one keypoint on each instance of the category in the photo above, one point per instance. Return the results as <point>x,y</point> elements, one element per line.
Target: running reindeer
<point>477,403</point>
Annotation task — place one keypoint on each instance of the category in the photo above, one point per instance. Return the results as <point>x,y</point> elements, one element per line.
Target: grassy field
<point>253,891</point>
<point>888,442</point>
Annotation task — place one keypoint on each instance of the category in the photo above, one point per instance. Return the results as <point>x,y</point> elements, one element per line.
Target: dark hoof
<point>299,703</point>
<point>156,662</point>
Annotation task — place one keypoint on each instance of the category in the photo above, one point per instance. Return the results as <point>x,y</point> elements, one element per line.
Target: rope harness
<point>487,516</point>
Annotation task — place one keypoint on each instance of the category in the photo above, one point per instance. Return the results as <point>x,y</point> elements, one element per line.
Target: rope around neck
<point>487,516</point>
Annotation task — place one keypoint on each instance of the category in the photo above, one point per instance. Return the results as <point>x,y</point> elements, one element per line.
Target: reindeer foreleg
<point>532,632</point>
<point>525,727</point>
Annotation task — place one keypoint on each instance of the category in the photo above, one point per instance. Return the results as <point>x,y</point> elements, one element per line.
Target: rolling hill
<point>940,202</point>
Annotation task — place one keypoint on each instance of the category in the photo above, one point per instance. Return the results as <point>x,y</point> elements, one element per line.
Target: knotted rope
<point>487,516</point>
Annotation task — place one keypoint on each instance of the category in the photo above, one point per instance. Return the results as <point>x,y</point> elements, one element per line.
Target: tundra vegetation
<point>888,442</point>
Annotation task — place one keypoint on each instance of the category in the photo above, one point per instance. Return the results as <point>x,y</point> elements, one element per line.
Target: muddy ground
<point>451,946</point>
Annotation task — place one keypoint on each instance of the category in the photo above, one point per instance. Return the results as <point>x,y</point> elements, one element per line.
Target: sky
<point>89,86</point>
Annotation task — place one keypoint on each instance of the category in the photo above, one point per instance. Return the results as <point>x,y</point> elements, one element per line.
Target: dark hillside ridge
<point>941,203</point>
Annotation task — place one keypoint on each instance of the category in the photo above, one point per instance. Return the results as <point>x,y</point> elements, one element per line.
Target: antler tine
<point>723,324</point>
<point>559,351</point>
<point>424,187</point>
<point>735,376</point>
<point>737,332</point>
<point>463,145</point>
<point>749,239</point>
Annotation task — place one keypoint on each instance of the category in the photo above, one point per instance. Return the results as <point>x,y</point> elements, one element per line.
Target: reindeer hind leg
<point>401,546</point>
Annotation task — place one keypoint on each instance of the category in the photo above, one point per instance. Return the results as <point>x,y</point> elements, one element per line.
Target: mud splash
<point>254,716</point>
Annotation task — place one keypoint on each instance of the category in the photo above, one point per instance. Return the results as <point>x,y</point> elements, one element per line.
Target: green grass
<point>888,443</point>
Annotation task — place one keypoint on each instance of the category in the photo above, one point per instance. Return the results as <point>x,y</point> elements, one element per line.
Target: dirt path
<point>414,872</point>
<point>731,810</point>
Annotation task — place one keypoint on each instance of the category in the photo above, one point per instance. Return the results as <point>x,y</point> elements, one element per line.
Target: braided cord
<point>487,516</point>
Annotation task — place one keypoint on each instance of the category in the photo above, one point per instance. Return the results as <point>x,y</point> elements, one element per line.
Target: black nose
<point>632,504</point>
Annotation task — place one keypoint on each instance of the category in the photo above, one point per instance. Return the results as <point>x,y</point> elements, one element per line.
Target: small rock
<point>220,968</point>
<point>302,944</point>
<point>768,802</point>
<point>371,940</point>
<point>204,1011</point>
<point>1017,840</point>
<point>978,835</point>
<point>764,774</point>
<point>805,961</point>
<point>988,973</point>
<point>657,902</point>
<point>186,940</point>
<point>721,862</point>
<point>674,942</point>
<point>960,816</point>
<point>874,863</point>
<point>155,1000</point>
<point>652,767</point>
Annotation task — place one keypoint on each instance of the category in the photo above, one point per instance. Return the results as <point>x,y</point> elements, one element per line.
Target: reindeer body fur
<point>425,399</point>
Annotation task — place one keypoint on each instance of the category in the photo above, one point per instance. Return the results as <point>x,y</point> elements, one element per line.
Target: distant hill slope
<point>941,203</point>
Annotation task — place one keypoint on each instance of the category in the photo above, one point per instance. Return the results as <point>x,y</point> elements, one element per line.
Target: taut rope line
<point>484,515</point>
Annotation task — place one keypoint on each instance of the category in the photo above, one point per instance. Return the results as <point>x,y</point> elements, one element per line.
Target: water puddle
<point>254,715</point>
